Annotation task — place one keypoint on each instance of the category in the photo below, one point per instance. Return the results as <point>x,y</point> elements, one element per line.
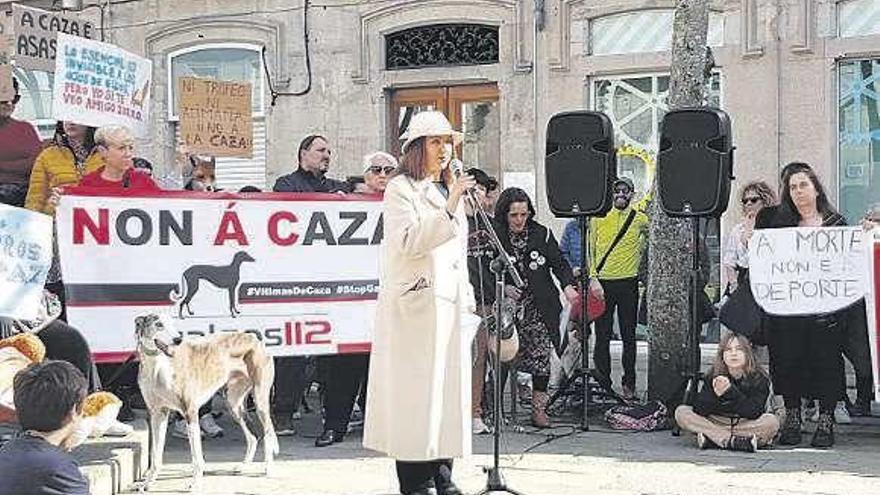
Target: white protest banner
<point>99,84</point>
<point>25,258</point>
<point>299,271</point>
<point>873,305</point>
<point>216,117</point>
<point>807,270</point>
<point>36,34</point>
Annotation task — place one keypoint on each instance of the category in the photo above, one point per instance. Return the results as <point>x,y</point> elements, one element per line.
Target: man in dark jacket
<point>310,176</point>
<point>341,373</point>
<point>48,401</point>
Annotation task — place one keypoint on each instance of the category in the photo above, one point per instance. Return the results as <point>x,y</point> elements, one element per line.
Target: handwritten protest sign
<point>802,271</point>
<point>215,117</point>
<point>7,92</point>
<point>25,257</point>
<point>99,84</point>
<point>36,34</point>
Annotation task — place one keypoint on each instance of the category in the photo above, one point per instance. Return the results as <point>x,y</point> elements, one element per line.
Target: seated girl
<point>729,411</point>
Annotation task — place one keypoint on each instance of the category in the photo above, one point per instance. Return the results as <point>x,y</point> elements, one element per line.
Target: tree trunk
<point>669,258</point>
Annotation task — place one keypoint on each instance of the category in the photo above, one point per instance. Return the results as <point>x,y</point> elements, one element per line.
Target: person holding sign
<point>730,410</point>
<point>805,351</point>
<point>418,410</point>
<point>19,146</point>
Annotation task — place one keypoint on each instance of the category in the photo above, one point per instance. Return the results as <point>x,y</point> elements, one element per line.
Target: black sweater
<point>746,398</point>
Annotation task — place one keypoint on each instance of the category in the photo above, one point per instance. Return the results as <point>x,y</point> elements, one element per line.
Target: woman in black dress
<point>537,255</point>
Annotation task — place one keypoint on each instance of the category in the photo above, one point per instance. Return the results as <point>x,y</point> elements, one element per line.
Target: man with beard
<point>615,246</point>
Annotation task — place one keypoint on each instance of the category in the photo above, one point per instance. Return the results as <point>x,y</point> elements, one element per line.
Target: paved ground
<point>561,461</point>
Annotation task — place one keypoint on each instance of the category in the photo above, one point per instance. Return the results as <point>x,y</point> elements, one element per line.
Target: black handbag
<point>742,315</point>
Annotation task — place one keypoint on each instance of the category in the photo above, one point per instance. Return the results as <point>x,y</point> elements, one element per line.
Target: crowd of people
<point>435,266</point>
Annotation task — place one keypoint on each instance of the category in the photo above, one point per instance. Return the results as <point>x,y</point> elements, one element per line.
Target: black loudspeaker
<point>580,164</point>
<point>695,162</point>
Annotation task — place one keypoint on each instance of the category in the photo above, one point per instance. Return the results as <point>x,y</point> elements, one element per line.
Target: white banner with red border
<point>300,271</point>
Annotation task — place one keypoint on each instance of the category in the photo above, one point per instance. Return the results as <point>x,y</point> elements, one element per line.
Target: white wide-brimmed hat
<point>429,123</point>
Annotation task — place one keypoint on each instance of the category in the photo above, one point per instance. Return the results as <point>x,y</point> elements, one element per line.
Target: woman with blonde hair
<point>753,197</point>
<point>729,411</point>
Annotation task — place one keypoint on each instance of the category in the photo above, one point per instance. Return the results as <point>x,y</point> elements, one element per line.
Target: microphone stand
<point>501,266</point>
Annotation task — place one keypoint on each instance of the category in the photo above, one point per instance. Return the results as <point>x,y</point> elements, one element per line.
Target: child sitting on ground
<point>729,411</point>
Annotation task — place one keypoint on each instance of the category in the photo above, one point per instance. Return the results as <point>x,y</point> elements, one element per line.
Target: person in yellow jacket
<point>614,270</point>
<point>71,156</point>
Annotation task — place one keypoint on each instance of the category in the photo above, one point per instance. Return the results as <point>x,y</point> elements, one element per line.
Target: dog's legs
<point>158,429</point>
<point>236,392</point>
<point>194,432</point>
<point>261,400</point>
<point>232,309</point>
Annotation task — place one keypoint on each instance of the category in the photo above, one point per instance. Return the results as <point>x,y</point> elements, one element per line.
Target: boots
<point>539,409</point>
<point>824,435</point>
<point>791,429</point>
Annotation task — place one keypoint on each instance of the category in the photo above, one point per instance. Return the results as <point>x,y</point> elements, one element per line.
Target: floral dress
<point>534,338</point>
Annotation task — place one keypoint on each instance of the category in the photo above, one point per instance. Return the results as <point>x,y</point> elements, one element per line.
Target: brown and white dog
<point>185,376</point>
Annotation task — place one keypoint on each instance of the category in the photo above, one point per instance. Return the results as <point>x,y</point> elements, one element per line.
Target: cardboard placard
<point>99,84</point>
<point>36,33</point>
<point>808,270</point>
<point>216,117</point>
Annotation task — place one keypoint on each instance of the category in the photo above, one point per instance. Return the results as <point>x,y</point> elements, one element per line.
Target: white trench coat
<point>418,402</point>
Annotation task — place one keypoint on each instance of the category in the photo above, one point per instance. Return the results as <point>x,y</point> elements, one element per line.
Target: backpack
<point>642,417</point>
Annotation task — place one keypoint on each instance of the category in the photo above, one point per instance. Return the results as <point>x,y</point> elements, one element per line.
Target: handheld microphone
<point>457,167</point>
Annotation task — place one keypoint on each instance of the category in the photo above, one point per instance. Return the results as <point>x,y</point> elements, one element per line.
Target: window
<point>858,18</point>
<point>227,62</point>
<point>36,100</point>
<point>643,31</point>
<point>858,136</point>
<point>442,45</point>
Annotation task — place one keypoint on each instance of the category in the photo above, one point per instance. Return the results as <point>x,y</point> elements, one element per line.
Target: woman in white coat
<point>418,401</point>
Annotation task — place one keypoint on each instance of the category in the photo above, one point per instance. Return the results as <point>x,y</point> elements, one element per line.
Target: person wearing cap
<point>614,271</point>
<point>418,407</point>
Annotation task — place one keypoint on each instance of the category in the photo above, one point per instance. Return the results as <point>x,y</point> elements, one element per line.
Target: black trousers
<point>805,358</point>
<point>342,377</point>
<point>290,383</point>
<point>65,343</point>
<point>421,475</point>
<point>857,349</point>
<point>621,296</point>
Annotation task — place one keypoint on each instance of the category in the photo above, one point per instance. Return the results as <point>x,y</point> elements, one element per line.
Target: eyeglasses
<point>750,200</point>
<point>15,99</point>
<point>378,170</point>
<point>622,191</point>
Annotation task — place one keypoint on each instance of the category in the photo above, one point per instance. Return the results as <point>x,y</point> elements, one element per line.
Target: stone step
<point>112,464</point>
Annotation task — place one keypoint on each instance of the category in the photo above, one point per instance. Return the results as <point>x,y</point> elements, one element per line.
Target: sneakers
<point>743,444</point>
<point>210,428</point>
<point>824,435</point>
<point>283,425</point>
<point>791,429</point>
<point>703,442</point>
<point>179,429</point>
<point>118,429</point>
<point>478,427</point>
<point>841,414</point>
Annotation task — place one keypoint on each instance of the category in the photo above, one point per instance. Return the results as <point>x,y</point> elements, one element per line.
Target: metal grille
<point>441,45</point>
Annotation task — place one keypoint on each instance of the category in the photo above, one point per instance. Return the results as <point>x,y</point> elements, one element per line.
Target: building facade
<point>797,77</point>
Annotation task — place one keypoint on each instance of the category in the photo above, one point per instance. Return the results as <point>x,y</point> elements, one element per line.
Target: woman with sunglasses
<point>19,146</point>
<point>378,167</point>
<point>735,256</point>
